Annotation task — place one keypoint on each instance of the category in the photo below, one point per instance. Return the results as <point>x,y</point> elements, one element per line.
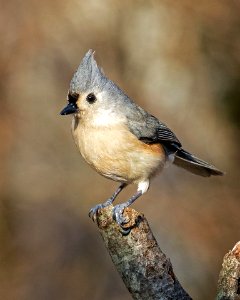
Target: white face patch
<point>103,116</point>
<point>143,186</point>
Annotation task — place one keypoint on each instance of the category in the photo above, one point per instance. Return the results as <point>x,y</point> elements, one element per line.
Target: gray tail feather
<point>195,165</point>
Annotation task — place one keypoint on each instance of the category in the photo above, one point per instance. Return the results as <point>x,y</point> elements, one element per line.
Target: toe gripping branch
<point>110,218</point>
<point>124,222</point>
<point>118,214</point>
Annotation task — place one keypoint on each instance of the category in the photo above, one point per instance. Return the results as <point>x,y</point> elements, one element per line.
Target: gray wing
<point>150,130</point>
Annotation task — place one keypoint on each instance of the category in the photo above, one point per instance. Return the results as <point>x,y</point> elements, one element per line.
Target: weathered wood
<point>229,278</point>
<point>144,268</point>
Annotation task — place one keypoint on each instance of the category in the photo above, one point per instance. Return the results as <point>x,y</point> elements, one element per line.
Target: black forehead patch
<point>72,98</point>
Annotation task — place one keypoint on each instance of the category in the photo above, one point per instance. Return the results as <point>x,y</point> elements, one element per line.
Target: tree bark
<point>144,268</point>
<point>229,278</point>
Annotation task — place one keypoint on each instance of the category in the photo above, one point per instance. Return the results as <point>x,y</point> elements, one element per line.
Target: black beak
<point>71,108</point>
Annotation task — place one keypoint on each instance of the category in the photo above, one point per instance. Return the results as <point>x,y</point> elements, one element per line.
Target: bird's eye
<point>91,98</point>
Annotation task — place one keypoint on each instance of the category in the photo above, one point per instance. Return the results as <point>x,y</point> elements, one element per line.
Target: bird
<point>119,139</point>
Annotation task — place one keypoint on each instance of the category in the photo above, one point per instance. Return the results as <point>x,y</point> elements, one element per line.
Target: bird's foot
<point>95,210</point>
<point>120,219</point>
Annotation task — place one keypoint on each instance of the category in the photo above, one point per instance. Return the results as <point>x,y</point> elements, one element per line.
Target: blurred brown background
<point>180,61</point>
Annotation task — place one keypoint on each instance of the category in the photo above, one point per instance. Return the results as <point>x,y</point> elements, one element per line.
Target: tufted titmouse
<point>119,139</point>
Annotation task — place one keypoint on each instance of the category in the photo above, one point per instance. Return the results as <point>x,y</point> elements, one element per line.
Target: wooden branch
<point>229,278</point>
<point>144,268</point>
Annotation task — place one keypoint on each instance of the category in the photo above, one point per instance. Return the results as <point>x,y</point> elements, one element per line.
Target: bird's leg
<point>118,212</point>
<point>94,211</point>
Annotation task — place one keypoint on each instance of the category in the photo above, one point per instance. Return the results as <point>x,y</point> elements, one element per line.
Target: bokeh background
<point>180,60</point>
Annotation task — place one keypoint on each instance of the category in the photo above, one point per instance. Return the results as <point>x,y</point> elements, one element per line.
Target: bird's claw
<point>94,211</point>
<point>120,219</point>
<point>117,215</point>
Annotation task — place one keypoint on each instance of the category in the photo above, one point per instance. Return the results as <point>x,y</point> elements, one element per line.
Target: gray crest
<point>88,75</point>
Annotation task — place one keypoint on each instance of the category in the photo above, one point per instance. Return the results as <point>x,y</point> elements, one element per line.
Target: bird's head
<point>91,91</point>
